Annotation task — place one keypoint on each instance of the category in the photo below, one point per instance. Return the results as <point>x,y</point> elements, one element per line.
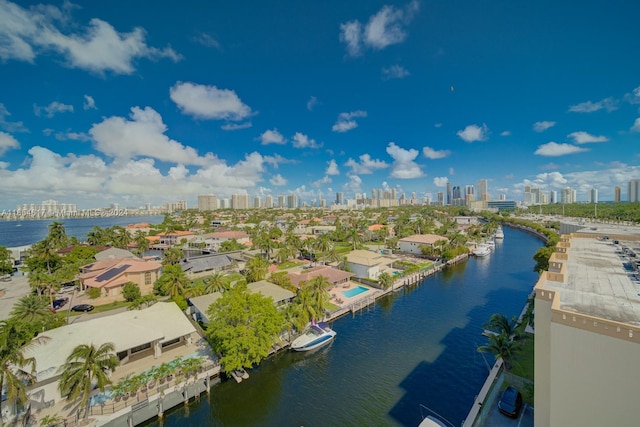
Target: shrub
<point>94,293</point>
<point>131,291</point>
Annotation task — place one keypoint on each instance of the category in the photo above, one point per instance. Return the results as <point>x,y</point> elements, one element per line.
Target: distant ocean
<point>21,233</point>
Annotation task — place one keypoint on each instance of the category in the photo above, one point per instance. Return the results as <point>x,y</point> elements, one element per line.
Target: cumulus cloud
<point>7,142</point>
<point>474,133</point>
<point>430,153</point>
<point>206,40</point>
<point>278,180</point>
<point>403,166</point>
<point>322,181</point>
<point>553,149</point>
<point>52,109</point>
<point>636,125</point>
<point>8,125</point>
<point>394,72</point>
<point>385,28</point>
<point>608,104</point>
<point>345,121</point>
<point>353,185</point>
<point>142,135</point>
<point>586,138</point>
<point>26,33</point>
<point>505,133</point>
<point>366,165</point>
<point>311,103</point>
<point>89,103</point>
<point>301,140</point>
<point>272,136</point>
<point>440,181</point>
<point>332,168</point>
<point>69,135</point>
<point>633,97</point>
<point>208,102</point>
<point>543,125</point>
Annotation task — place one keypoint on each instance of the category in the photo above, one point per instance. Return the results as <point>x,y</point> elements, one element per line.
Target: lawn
<point>525,359</point>
<point>290,264</point>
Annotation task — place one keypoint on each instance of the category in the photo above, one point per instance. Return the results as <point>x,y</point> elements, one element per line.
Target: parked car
<point>510,402</point>
<point>66,289</point>
<point>59,303</point>
<point>82,307</point>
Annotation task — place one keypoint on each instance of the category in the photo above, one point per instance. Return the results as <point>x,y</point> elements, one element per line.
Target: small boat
<point>431,421</point>
<point>239,375</point>
<point>482,250</point>
<point>499,234</point>
<point>316,335</point>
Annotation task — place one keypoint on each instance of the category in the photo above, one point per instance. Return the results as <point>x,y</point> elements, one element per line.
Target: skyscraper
<point>593,196</point>
<point>239,201</point>
<point>483,189</point>
<point>339,198</point>
<point>633,194</point>
<point>617,192</point>
<point>292,201</point>
<point>268,202</point>
<point>449,194</point>
<point>207,202</point>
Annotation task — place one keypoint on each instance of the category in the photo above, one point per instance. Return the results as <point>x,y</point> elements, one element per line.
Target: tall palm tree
<point>501,346</point>
<point>122,238</point>
<point>317,291</point>
<point>31,308</point>
<point>385,280</point>
<point>95,236</point>
<point>16,370</point>
<point>216,282</point>
<point>142,243</point>
<point>85,366</point>
<point>323,245</point>
<point>500,324</point>
<point>57,235</point>
<point>353,236</point>
<point>173,281</point>
<point>257,269</point>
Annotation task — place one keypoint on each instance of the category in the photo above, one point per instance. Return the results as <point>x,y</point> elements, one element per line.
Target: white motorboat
<point>431,421</point>
<point>499,234</point>
<point>316,335</point>
<point>482,250</point>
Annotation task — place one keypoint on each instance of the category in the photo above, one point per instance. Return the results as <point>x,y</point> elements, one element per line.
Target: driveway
<point>497,419</point>
<point>13,290</point>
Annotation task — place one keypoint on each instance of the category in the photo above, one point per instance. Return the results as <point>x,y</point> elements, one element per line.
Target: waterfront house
<point>135,334</point>
<point>113,253</point>
<point>367,264</point>
<point>110,276</point>
<point>334,276</point>
<point>205,265</point>
<point>173,238</point>
<point>212,241</point>
<point>413,244</point>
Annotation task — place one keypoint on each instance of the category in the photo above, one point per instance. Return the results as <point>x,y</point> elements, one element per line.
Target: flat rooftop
<point>599,280</point>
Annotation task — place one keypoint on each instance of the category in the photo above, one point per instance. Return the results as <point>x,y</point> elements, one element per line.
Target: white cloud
<point>543,125</point>
<point>7,142</point>
<point>353,185</point>
<point>322,181</point>
<point>206,40</point>
<point>74,136</point>
<point>474,133</point>
<point>505,133</point>
<point>553,149</point>
<point>403,166</point>
<point>52,109</point>
<point>301,140</point>
<point>633,97</point>
<point>236,126</point>
<point>608,104</point>
<point>311,103</point>
<point>278,180</point>
<point>385,28</point>
<point>345,121</point>
<point>452,171</point>
<point>8,125</point>
<point>143,135</point>
<point>586,138</point>
<point>89,103</point>
<point>394,72</point>
<point>636,125</point>
<point>25,33</point>
<point>437,125</point>
<point>430,153</point>
<point>440,181</point>
<point>208,102</point>
<point>332,168</point>
<point>272,136</point>
<point>366,165</point>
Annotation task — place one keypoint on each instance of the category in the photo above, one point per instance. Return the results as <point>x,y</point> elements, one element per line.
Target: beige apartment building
<point>587,339</point>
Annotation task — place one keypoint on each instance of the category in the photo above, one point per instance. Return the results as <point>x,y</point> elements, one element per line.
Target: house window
<point>147,278</point>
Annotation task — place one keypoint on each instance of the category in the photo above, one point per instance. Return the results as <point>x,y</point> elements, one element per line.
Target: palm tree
<point>501,346</point>
<point>216,282</point>
<point>323,245</point>
<point>15,370</point>
<point>500,324</point>
<point>57,235</point>
<point>317,292</point>
<point>122,238</point>
<point>31,308</point>
<point>173,281</point>
<point>85,366</point>
<point>142,243</point>
<point>257,269</point>
<point>385,280</point>
<point>172,256</point>
<point>95,236</point>
<point>353,236</point>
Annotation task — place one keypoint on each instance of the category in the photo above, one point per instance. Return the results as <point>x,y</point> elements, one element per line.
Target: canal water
<point>415,347</point>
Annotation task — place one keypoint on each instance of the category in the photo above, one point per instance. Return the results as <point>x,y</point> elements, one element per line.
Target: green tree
<point>172,256</point>
<point>16,370</point>
<point>242,327</point>
<point>32,309</point>
<point>142,243</point>
<point>500,324</point>
<point>131,291</point>
<point>542,258</point>
<point>501,346</point>
<point>385,280</point>
<point>85,367</point>
<point>231,245</point>
<point>96,236</point>
<point>257,269</point>
<point>57,235</point>
<point>173,281</point>
<point>6,261</point>
<point>216,282</point>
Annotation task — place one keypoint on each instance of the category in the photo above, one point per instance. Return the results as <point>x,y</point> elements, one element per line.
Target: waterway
<point>415,347</point>
<point>28,232</point>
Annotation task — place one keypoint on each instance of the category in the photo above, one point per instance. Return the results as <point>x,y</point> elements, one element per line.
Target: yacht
<point>482,250</point>
<point>316,335</point>
<point>499,234</point>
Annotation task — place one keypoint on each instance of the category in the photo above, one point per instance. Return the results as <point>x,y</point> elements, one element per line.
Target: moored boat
<point>482,250</point>
<point>499,234</point>
<point>316,335</point>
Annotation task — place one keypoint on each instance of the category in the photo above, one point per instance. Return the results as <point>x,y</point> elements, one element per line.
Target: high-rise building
<point>469,195</point>
<point>568,195</point>
<point>593,195</point>
<point>394,196</point>
<point>633,193</point>
<point>339,198</point>
<point>268,202</point>
<point>257,203</point>
<point>456,196</point>
<point>281,201</point>
<point>617,193</point>
<point>440,198</point>
<point>239,201</point>
<point>553,196</point>
<point>207,202</point>
<point>449,194</point>
<point>292,201</point>
<point>483,189</point>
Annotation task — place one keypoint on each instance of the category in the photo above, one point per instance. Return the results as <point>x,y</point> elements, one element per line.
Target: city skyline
<point>101,107</point>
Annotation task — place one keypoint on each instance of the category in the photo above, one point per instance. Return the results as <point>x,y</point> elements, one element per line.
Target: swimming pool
<point>354,291</point>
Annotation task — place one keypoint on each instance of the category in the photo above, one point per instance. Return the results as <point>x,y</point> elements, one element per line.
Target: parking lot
<point>497,419</point>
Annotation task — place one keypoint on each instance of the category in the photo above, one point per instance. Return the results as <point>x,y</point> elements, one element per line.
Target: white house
<point>413,244</point>
<point>367,264</point>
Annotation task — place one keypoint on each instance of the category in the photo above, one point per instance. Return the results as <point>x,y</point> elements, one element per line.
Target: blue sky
<point>138,102</point>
